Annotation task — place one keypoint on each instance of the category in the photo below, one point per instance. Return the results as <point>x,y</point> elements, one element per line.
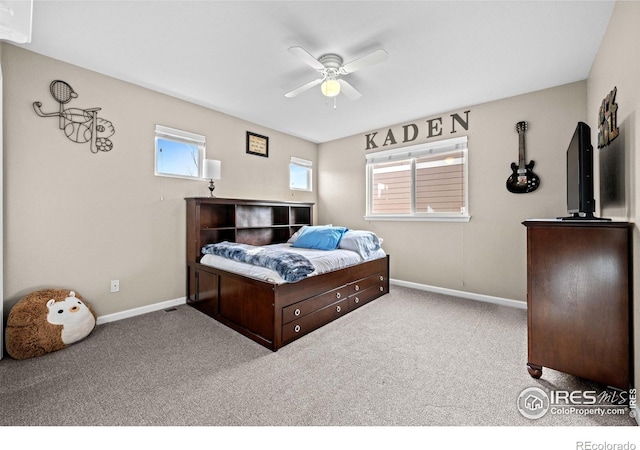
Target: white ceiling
<point>232,56</point>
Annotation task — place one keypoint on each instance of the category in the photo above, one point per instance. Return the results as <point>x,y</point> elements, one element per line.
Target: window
<point>300,174</point>
<point>178,153</point>
<point>420,182</point>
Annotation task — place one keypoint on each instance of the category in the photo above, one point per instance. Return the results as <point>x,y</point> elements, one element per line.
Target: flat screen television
<point>581,203</point>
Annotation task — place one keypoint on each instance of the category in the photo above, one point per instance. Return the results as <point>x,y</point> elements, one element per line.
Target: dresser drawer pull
<point>357,288</point>
<point>297,312</point>
<point>356,300</point>
<point>297,329</point>
<point>381,278</point>
<point>381,289</point>
<point>338,309</point>
<point>338,295</point>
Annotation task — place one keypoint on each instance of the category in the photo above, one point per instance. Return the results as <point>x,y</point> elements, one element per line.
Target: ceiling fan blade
<point>306,57</point>
<point>348,90</point>
<point>372,58</point>
<point>303,88</point>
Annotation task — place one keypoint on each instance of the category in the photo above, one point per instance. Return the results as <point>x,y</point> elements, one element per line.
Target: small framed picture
<point>257,144</point>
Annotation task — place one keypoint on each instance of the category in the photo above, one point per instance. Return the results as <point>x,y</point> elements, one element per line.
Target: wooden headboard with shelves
<point>256,222</point>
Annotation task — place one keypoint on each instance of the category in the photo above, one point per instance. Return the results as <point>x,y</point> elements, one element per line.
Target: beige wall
<point>617,65</point>
<point>77,219</point>
<point>1,209</point>
<point>487,255</point>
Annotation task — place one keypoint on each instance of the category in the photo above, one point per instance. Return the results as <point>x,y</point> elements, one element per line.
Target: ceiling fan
<point>331,68</point>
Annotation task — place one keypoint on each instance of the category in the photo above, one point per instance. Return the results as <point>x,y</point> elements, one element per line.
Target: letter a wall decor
<point>79,125</point>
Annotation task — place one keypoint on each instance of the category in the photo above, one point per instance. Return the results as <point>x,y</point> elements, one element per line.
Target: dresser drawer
<point>366,283</point>
<point>312,304</point>
<point>316,319</point>
<point>365,296</point>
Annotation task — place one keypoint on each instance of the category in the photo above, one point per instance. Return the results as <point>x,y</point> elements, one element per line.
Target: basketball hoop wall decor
<point>79,125</point>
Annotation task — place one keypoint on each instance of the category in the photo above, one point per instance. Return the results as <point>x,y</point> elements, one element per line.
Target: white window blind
<point>179,135</point>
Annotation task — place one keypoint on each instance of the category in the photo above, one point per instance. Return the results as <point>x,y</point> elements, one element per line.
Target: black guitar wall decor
<point>522,180</point>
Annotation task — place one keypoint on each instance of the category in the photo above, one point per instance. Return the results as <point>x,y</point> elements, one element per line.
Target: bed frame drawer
<point>316,319</point>
<point>366,283</point>
<point>308,306</point>
<point>365,296</point>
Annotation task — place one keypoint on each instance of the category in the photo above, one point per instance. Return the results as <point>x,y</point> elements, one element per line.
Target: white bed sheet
<point>323,261</point>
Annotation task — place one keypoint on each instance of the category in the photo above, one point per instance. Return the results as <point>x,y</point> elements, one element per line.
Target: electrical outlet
<point>115,285</point>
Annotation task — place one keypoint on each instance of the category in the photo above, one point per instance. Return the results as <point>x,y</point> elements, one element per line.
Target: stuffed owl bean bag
<point>46,321</point>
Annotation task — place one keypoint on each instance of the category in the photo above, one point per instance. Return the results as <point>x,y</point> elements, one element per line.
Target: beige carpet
<point>410,358</point>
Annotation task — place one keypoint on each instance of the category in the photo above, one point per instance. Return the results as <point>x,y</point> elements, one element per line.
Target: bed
<point>257,301</point>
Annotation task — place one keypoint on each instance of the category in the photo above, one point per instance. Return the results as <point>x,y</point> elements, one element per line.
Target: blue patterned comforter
<point>290,266</point>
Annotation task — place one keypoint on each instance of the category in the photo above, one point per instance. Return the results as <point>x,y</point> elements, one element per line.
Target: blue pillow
<point>325,238</point>
<point>294,238</point>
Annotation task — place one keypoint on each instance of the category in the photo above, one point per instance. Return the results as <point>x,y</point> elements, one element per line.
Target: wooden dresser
<point>579,299</point>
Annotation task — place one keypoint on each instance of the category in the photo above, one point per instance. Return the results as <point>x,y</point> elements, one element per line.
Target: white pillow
<point>365,243</point>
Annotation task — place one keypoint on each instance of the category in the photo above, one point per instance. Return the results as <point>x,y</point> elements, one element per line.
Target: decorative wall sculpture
<point>608,120</point>
<point>79,125</point>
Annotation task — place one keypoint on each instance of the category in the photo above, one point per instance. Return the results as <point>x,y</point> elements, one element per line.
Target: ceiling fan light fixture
<point>330,68</point>
<point>330,87</point>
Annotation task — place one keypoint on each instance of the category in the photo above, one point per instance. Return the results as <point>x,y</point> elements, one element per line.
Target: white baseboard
<point>142,310</point>
<point>423,287</point>
<point>462,294</point>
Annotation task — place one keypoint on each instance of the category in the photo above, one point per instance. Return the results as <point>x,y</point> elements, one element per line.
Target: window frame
<point>411,153</point>
<point>183,137</point>
<point>308,166</point>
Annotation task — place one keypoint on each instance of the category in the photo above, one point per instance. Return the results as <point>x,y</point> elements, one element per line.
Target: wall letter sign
<point>410,132</point>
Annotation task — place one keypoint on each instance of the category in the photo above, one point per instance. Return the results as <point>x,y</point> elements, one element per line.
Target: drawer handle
<point>356,300</point>
<point>381,278</point>
<point>297,312</point>
<point>338,309</point>
<point>338,295</point>
<point>357,288</point>
<point>381,289</point>
<point>297,329</point>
